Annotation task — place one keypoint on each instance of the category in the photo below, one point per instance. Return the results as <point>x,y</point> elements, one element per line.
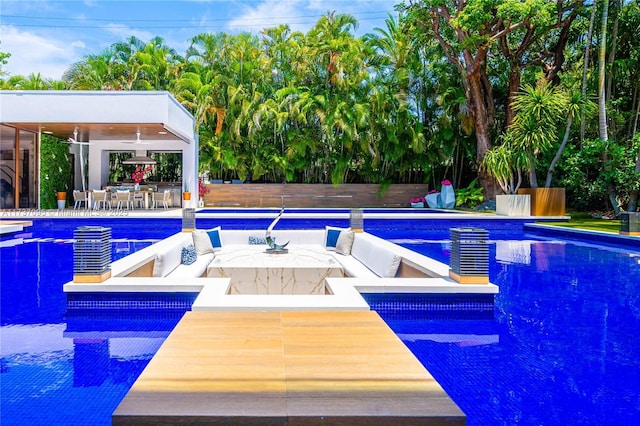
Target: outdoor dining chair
<point>164,199</point>
<point>138,198</point>
<point>124,200</point>
<point>79,197</point>
<point>102,199</point>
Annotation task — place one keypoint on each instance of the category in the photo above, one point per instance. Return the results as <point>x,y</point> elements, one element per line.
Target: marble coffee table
<point>253,271</point>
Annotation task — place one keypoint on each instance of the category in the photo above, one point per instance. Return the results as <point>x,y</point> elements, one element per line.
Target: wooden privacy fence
<point>311,195</point>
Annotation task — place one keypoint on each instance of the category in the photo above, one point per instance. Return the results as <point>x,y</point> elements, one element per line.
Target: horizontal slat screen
<point>311,195</point>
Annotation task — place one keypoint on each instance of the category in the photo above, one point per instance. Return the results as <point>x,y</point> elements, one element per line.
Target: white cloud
<point>302,15</point>
<point>124,32</point>
<point>20,6</point>
<point>271,13</point>
<point>33,53</point>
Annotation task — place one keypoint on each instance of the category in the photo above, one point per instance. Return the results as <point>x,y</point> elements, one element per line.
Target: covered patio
<point>95,124</point>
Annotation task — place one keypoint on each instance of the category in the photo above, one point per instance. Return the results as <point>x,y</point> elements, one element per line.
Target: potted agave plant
<point>186,195</point>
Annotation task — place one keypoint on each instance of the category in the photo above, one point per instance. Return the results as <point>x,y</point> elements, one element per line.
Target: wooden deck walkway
<point>285,368</point>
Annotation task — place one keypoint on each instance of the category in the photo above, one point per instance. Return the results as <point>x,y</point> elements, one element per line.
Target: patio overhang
<point>139,122</point>
<point>99,115</point>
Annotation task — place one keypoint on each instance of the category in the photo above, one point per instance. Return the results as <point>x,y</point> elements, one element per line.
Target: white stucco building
<point>103,122</point>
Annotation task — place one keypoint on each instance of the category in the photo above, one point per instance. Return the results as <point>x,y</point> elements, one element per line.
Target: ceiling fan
<point>138,141</point>
<point>74,139</point>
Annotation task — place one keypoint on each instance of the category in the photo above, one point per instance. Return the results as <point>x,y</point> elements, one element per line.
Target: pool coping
<point>176,213</point>
<point>600,236</point>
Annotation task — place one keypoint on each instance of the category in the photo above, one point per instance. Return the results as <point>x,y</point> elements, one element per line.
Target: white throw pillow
<point>345,242</point>
<point>202,242</point>
<point>331,234</point>
<point>207,241</point>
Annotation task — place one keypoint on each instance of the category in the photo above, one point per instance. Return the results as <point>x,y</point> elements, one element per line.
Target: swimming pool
<point>560,348</point>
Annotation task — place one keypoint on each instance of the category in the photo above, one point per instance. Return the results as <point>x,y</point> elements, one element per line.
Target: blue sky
<point>47,36</point>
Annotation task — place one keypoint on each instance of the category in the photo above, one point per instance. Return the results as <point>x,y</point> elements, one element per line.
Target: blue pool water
<point>560,347</point>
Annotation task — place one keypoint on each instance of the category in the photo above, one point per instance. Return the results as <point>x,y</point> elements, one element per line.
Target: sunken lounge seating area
<point>323,268</point>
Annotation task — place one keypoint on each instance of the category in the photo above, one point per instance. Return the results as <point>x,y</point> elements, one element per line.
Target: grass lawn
<point>581,220</point>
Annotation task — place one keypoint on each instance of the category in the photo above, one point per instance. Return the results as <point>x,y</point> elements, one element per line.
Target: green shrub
<point>470,196</point>
<point>586,178</point>
<point>55,170</point>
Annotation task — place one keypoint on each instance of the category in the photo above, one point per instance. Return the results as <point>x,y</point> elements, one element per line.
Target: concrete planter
<point>513,205</point>
<point>546,201</point>
<point>630,223</point>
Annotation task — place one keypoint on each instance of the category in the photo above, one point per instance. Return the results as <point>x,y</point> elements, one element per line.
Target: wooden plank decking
<point>285,368</point>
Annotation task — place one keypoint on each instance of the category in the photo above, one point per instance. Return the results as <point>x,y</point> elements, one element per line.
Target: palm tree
<point>534,125</point>
<point>281,50</point>
<point>93,72</point>
<point>506,165</point>
<point>602,107</point>
<point>158,65</point>
<point>575,103</point>
<point>532,131</point>
<point>208,49</point>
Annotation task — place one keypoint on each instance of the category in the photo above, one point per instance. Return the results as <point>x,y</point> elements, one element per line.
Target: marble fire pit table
<point>253,271</point>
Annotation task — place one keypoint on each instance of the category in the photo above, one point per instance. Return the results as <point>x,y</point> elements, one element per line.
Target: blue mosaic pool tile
<point>452,306</point>
<point>147,301</point>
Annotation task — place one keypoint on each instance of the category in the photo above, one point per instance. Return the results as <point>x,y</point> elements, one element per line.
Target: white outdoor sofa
<point>370,257</point>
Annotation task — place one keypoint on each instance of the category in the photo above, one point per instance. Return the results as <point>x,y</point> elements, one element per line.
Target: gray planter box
<point>630,223</point>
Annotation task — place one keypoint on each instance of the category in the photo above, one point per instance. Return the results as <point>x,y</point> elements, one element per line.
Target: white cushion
<point>383,262</point>
<point>380,260</point>
<point>345,242</point>
<point>353,267</point>
<point>196,269</point>
<point>360,249</point>
<point>167,259</point>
